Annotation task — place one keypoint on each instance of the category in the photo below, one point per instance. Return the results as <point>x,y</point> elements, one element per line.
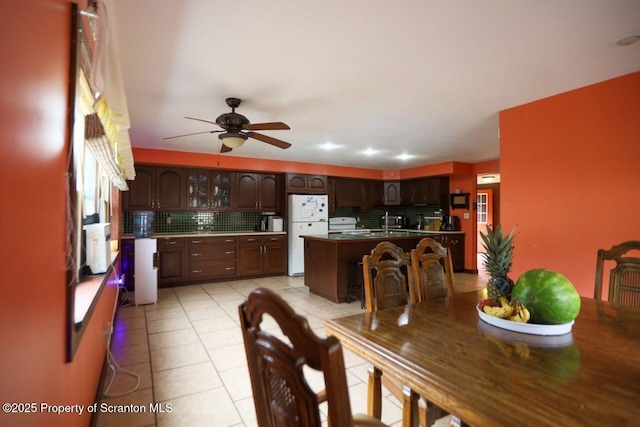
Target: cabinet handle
<point>196,271</point>
<point>196,241</point>
<point>171,242</point>
<point>251,240</point>
<point>229,268</point>
<point>228,240</point>
<point>196,254</point>
<point>229,252</point>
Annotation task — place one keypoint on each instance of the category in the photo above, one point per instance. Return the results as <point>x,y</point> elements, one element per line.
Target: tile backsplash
<point>193,222</point>
<point>178,222</point>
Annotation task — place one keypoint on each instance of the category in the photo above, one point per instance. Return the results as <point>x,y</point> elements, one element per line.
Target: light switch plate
<point>466,215</point>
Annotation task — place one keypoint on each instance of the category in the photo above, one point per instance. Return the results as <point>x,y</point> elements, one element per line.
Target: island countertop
<point>378,234</point>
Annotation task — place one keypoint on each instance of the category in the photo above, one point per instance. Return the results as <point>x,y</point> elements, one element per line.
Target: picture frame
<point>459,201</point>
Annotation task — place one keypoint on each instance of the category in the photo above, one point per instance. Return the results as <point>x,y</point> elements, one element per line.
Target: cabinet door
<point>250,256</point>
<point>296,183</point>
<point>128,262</point>
<point>170,188</point>
<point>198,189</point>
<point>275,254</point>
<point>141,194</point>
<point>377,193</point>
<point>317,183</point>
<point>172,265</point>
<point>269,194</point>
<point>455,243</point>
<point>246,191</point>
<point>222,190</point>
<point>392,193</point>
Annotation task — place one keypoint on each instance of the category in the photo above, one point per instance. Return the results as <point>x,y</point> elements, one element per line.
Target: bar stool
<point>356,279</point>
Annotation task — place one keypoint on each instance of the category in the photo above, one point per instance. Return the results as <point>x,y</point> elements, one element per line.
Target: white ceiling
<point>420,77</point>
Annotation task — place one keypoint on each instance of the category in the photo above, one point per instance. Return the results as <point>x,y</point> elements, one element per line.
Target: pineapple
<point>498,260</point>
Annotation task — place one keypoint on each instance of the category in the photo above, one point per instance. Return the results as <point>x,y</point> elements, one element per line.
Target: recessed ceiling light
<point>405,156</point>
<point>329,146</point>
<point>369,152</point>
<point>627,40</point>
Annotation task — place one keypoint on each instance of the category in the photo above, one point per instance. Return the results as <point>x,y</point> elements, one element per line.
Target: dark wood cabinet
<point>209,189</point>
<point>303,183</point>
<point>156,187</point>
<point>262,255</point>
<point>257,192</point>
<point>172,264</point>
<point>142,190</point>
<point>170,188</point>
<point>354,193</point>
<point>392,195</point>
<point>211,257</point>
<point>127,262</point>
<point>455,243</point>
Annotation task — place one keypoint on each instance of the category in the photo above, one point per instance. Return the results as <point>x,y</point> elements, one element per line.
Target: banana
<point>502,312</point>
<point>520,312</point>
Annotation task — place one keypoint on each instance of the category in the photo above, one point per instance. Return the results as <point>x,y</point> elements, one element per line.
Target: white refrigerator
<point>308,215</point>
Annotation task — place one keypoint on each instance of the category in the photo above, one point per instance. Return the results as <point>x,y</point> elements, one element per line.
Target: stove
<point>345,224</point>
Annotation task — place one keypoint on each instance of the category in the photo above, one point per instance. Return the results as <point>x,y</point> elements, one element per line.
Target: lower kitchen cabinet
<point>262,255</point>
<point>211,257</point>
<point>172,264</point>
<point>455,244</point>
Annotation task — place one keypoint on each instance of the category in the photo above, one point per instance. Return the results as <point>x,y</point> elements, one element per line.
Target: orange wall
<point>142,155</point>
<point>34,76</point>
<point>570,177</point>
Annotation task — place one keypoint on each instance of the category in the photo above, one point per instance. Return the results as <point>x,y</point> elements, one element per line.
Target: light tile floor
<point>188,353</point>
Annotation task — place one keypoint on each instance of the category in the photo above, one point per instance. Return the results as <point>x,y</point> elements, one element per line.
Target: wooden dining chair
<point>388,279</point>
<point>388,282</point>
<point>281,392</point>
<point>432,270</point>
<point>624,278</point>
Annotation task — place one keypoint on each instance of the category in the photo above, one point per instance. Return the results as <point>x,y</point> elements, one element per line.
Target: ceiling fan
<point>236,128</point>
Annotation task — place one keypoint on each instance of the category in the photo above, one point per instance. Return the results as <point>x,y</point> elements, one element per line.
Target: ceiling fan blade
<point>201,120</point>
<point>197,133</point>
<point>267,126</point>
<point>268,140</point>
<point>225,149</point>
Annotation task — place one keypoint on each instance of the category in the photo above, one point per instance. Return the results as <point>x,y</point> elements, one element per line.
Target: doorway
<point>485,214</point>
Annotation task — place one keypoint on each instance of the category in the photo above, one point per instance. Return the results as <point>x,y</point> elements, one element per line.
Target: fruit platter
<point>540,302</point>
<point>527,328</point>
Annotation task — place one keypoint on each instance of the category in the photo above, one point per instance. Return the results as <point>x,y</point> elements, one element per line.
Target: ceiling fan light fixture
<point>232,140</point>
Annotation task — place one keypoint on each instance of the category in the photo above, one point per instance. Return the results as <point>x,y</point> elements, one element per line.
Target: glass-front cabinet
<point>209,189</point>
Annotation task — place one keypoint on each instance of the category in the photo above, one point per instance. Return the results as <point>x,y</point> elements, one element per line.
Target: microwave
<point>395,221</point>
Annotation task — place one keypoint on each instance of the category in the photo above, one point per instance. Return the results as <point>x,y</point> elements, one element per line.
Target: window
<point>482,207</point>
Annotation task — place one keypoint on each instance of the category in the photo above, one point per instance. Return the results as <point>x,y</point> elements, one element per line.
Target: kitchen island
<point>329,258</point>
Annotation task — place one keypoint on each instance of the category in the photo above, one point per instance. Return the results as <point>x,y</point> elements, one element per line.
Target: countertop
<point>209,234</point>
<point>378,234</point>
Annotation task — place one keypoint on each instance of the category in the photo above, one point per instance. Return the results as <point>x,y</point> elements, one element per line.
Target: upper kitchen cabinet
<point>426,191</point>
<point>156,188</point>
<point>392,193</point>
<point>302,183</point>
<point>142,190</point>
<point>257,192</point>
<point>209,189</point>
<point>352,193</point>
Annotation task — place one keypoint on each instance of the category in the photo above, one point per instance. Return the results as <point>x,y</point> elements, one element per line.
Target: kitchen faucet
<point>386,222</point>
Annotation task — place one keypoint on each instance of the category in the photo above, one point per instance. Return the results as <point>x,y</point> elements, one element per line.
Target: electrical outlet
<point>466,215</point>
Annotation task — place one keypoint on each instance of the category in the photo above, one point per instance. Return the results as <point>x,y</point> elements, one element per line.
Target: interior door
<point>485,214</point>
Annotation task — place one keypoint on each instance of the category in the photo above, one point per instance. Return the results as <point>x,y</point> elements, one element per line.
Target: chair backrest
<point>388,279</point>
<point>624,278</point>
<point>281,393</point>
<point>432,270</point>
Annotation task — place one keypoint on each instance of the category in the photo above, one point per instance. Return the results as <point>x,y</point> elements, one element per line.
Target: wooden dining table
<point>489,376</point>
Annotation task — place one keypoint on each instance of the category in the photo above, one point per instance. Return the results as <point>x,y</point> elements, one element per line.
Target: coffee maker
<point>450,223</point>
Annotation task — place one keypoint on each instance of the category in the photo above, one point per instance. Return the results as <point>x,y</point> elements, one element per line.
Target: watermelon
<point>548,295</point>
